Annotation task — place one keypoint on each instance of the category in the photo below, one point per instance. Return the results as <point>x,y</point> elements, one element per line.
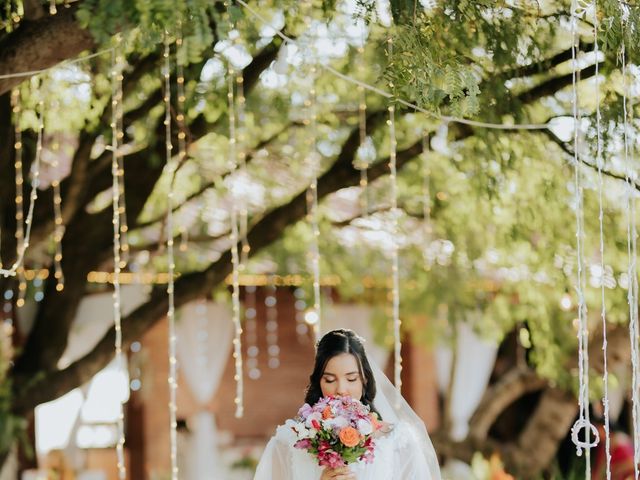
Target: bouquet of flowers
<point>337,431</point>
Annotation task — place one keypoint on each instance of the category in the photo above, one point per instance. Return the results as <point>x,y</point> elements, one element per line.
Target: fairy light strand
<point>182,125</point>
<point>58,229</point>
<point>119,132</point>
<point>33,196</point>
<point>314,318</point>
<point>16,105</point>
<point>603,313</point>
<point>395,273</point>
<point>583,421</point>
<point>426,198</point>
<point>235,257</point>
<point>362,124</point>
<point>119,356</point>
<point>173,361</point>
<point>242,166</point>
<point>632,283</point>
<point>397,344</point>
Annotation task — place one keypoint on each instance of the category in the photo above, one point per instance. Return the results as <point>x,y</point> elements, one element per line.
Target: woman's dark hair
<point>335,343</point>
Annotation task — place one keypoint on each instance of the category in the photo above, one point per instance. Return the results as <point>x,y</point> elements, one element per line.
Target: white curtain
<point>475,359</point>
<point>205,332</point>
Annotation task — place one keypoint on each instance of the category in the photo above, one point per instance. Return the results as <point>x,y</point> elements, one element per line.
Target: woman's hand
<point>342,473</point>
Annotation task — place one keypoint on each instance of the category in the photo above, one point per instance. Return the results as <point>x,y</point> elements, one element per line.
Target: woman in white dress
<point>342,368</point>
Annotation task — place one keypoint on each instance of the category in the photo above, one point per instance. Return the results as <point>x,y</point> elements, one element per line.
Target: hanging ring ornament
<point>575,430</point>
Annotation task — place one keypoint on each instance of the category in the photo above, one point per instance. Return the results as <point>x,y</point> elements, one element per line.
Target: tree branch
<point>206,186</point>
<point>41,44</point>
<point>194,285</point>
<point>569,151</point>
<point>499,396</point>
<point>555,84</point>
<point>545,64</point>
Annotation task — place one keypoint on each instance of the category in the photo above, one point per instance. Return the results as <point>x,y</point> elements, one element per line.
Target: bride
<point>342,368</point>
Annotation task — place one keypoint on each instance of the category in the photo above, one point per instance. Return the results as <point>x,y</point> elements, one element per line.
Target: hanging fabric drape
<point>474,361</point>
<point>205,333</point>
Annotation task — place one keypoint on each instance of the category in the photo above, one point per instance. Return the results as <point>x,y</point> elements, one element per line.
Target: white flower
<point>304,432</point>
<point>335,423</point>
<point>364,426</point>
<point>299,430</point>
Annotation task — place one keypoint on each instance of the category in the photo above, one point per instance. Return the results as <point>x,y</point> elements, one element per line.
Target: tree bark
<point>41,44</point>
<point>194,285</point>
<point>499,396</point>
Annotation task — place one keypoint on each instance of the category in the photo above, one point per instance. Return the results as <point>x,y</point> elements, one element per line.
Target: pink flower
<point>303,444</point>
<point>329,458</point>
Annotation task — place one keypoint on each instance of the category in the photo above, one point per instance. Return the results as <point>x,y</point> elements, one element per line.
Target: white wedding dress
<point>405,453</point>
<point>396,457</point>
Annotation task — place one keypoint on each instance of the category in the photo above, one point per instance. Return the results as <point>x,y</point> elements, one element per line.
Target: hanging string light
<point>242,166</point>
<point>19,200</point>
<point>251,323</point>
<point>235,257</point>
<point>173,361</point>
<point>119,132</point>
<point>603,314</point>
<point>314,317</point>
<point>271,303</point>
<point>237,345</point>
<point>426,200</point>
<point>395,273</point>
<point>52,7</point>
<point>23,239</point>
<point>395,292</point>
<point>632,273</point>
<point>58,229</point>
<point>119,357</point>
<point>583,421</point>
<point>362,157</point>
<point>182,125</point>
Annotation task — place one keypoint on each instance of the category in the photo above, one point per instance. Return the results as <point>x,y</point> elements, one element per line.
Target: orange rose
<point>327,413</point>
<point>349,437</point>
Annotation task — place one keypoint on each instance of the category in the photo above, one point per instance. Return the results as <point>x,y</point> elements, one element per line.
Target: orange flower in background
<point>327,413</point>
<point>497,470</point>
<point>349,437</point>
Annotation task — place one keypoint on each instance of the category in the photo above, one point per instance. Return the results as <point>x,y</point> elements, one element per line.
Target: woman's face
<point>341,377</point>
